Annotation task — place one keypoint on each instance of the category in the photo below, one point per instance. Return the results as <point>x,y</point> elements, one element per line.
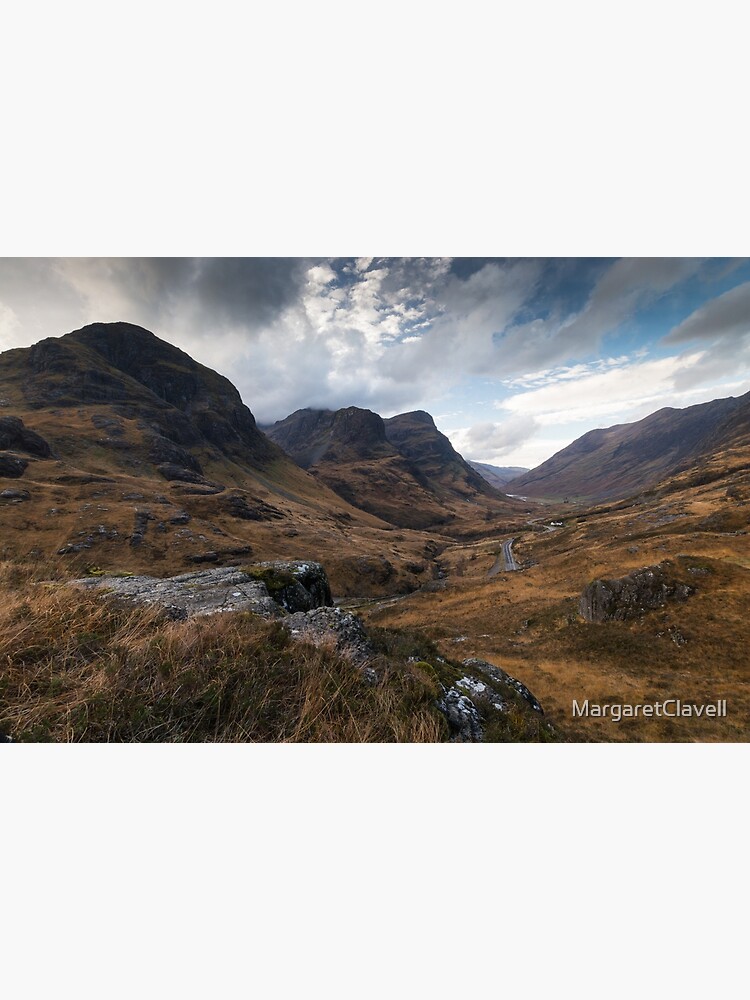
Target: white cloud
<point>552,376</point>
<point>491,441</point>
<point>601,394</point>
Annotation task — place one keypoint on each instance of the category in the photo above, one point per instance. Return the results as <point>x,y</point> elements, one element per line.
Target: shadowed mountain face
<point>417,438</point>
<point>331,436</point>
<point>401,469</point>
<point>627,458</point>
<point>133,371</point>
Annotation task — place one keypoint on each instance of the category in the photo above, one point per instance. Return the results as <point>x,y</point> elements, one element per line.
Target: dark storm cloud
<point>250,291</point>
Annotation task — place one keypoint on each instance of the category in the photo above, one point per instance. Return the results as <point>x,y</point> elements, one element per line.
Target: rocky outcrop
<point>15,436</point>
<point>162,451</point>
<point>11,466</point>
<point>140,526</point>
<point>178,473</point>
<point>295,585</point>
<point>14,496</point>
<point>344,629</point>
<point>502,680</point>
<point>268,589</point>
<point>205,592</point>
<point>630,596</point>
<point>463,718</point>
<point>250,508</point>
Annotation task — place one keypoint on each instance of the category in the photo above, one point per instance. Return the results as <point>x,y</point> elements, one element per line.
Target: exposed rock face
<point>140,526</point>
<point>463,718</point>
<point>631,595</point>
<point>162,451</point>
<point>11,466</point>
<point>177,473</point>
<point>345,629</point>
<point>16,436</point>
<point>295,585</point>
<point>205,592</point>
<point>500,677</point>
<point>14,496</point>
<point>268,589</point>
<point>250,508</point>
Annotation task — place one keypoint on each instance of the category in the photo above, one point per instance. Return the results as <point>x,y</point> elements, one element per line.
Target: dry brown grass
<point>74,668</point>
<point>528,622</point>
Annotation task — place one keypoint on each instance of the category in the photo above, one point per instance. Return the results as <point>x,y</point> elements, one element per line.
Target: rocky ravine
<point>298,594</point>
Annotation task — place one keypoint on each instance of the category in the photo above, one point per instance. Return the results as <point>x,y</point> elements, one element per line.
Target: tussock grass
<point>75,668</point>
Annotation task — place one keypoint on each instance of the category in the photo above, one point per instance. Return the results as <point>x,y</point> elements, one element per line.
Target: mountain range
<point>615,462</point>
<point>401,469</point>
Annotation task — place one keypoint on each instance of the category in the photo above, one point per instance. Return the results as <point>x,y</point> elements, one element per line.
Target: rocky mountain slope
<point>117,450</point>
<point>402,469</point>
<point>120,453</point>
<point>627,458</point>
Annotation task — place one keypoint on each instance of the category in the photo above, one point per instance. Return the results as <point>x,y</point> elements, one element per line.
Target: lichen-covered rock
<point>630,596</point>
<point>205,592</point>
<point>342,628</point>
<point>228,588</point>
<point>503,680</point>
<point>14,496</point>
<point>463,718</point>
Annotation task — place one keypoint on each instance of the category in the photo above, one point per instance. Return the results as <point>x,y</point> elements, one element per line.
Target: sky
<point>514,358</point>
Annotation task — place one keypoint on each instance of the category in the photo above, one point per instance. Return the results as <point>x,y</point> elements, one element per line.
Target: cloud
<point>490,441</point>
<point>727,317</point>
<point>625,393</point>
<point>628,285</point>
<point>552,376</point>
<point>387,333</point>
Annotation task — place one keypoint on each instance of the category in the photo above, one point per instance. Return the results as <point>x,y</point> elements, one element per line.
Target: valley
<point>121,456</point>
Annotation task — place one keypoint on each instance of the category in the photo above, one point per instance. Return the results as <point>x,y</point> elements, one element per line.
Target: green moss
<point>274,579</point>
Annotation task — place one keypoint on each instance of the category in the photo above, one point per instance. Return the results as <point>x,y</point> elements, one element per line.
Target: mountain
<point>625,459</point>
<point>498,475</point>
<point>121,451</point>
<point>417,438</point>
<point>402,469</point>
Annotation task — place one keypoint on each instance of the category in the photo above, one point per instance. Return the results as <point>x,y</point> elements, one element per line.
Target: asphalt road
<point>510,562</point>
<point>505,561</point>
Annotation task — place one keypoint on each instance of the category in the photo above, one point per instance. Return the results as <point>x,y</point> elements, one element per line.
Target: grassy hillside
<point>81,668</point>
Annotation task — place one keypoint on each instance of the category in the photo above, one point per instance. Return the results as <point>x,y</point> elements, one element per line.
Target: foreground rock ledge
<point>298,594</point>
<point>267,589</point>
